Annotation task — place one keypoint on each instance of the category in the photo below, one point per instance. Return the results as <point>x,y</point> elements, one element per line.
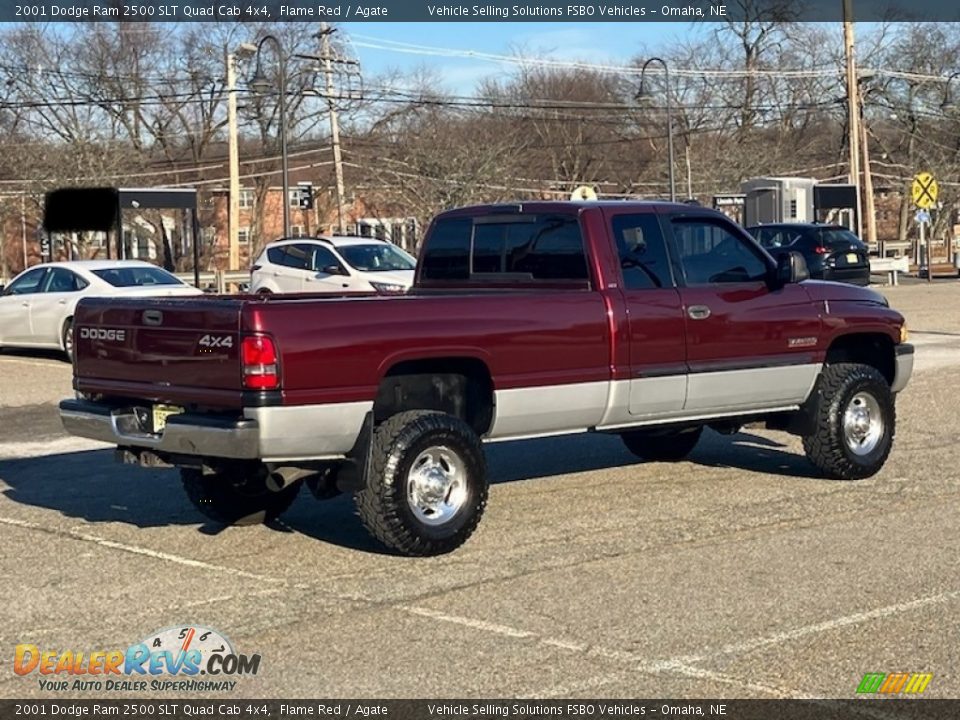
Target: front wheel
<point>237,497</point>
<point>668,446</point>
<point>425,487</point>
<point>855,422</point>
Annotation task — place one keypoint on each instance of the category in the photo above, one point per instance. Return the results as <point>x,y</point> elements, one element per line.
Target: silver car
<point>36,308</point>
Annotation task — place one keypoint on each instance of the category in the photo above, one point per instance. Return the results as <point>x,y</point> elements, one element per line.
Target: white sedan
<point>36,308</point>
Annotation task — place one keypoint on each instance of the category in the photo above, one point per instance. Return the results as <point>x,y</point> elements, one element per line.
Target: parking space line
<point>833,624</point>
<point>467,622</point>
<point>45,448</point>
<point>147,552</point>
<point>35,363</point>
<point>685,665</point>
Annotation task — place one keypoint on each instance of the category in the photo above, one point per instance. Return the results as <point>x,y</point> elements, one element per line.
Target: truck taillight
<point>821,250</point>
<point>259,357</point>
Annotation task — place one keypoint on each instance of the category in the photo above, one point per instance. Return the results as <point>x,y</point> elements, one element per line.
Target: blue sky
<point>595,42</point>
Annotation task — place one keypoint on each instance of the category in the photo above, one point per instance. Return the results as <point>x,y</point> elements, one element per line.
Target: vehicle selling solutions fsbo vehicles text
<point>582,10</point>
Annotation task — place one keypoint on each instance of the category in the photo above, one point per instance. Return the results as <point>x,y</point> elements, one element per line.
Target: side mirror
<point>791,268</point>
<point>332,270</point>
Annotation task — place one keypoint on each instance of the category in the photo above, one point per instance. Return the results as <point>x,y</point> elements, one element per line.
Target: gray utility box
<point>778,199</point>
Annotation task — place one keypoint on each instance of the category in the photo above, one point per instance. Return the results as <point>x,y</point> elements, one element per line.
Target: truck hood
<point>840,292</point>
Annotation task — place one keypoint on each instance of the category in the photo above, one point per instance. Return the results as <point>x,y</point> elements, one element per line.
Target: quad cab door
<point>658,369</point>
<point>751,344</point>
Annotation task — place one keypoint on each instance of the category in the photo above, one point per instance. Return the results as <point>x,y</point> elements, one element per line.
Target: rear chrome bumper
<point>304,432</point>
<point>904,367</point>
<point>237,438</point>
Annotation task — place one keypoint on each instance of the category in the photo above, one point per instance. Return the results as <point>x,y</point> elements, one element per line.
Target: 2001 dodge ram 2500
<point>644,319</point>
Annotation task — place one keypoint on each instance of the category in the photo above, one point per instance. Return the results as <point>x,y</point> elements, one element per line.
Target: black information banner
<point>890,709</point>
<point>471,11</point>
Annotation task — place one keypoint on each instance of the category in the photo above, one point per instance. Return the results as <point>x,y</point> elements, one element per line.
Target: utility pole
<point>870,211</point>
<point>686,153</point>
<point>23,227</point>
<point>233,222</point>
<point>853,109</point>
<point>325,56</point>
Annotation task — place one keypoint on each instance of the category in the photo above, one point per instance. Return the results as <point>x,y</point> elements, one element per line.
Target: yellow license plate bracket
<point>161,413</point>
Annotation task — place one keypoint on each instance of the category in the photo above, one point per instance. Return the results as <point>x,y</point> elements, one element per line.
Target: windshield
<point>379,257</point>
<point>137,276</point>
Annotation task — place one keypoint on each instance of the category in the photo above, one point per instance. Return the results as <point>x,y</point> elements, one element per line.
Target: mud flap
<point>350,477</point>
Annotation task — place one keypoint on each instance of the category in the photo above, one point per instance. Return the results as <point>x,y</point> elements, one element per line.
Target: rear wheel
<point>237,497</point>
<point>663,445</point>
<point>425,487</point>
<point>66,338</point>
<point>264,291</point>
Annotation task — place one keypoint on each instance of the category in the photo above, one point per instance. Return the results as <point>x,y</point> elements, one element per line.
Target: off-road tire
<point>826,446</point>
<point>236,498</point>
<point>666,446</point>
<point>382,503</point>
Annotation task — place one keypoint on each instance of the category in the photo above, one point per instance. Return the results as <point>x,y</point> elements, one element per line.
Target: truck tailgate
<point>165,350</point>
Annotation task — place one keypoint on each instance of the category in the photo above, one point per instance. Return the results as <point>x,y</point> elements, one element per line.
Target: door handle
<point>698,312</point>
<point>24,304</point>
<point>62,302</point>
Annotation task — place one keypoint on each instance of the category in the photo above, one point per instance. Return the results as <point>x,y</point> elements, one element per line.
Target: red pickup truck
<point>644,319</point>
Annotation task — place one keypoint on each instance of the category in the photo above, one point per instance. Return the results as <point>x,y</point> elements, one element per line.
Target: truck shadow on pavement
<point>90,487</point>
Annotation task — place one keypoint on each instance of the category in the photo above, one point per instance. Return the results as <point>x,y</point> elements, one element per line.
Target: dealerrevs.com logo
<point>182,659</point>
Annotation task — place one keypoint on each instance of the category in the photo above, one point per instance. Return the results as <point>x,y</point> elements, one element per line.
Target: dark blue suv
<point>832,252</point>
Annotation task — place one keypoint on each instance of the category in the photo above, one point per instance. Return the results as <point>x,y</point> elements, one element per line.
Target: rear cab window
<point>506,247</point>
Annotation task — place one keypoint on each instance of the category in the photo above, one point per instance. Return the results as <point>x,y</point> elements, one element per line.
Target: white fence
<point>220,280</point>
<point>890,266</point>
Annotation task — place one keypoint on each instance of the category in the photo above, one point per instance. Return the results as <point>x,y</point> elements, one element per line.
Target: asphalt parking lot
<point>734,574</point>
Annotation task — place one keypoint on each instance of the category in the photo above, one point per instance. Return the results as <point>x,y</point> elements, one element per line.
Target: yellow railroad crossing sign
<point>924,191</point>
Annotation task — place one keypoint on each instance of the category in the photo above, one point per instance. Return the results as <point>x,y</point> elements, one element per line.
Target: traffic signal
<point>306,197</point>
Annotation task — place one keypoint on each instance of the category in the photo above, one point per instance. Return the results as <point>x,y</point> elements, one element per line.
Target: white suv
<point>332,264</point>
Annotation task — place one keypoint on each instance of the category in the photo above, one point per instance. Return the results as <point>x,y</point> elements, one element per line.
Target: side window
<point>62,280</point>
<point>276,255</point>
<point>550,249</point>
<point>322,258</point>
<point>292,256</point>
<point>547,247</point>
<point>27,284</point>
<point>447,253</point>
<point>299,256</point>
<point>710,253</point>
<point>643,254</point>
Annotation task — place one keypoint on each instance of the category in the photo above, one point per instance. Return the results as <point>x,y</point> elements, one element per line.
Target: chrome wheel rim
<point>68,341</point>
<point>862,424</point>
<point>437,485</point>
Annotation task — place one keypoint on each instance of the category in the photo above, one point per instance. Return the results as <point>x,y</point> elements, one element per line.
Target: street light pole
<point>233,198</point>
<point>640,94</point>
<point>261,83</point>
